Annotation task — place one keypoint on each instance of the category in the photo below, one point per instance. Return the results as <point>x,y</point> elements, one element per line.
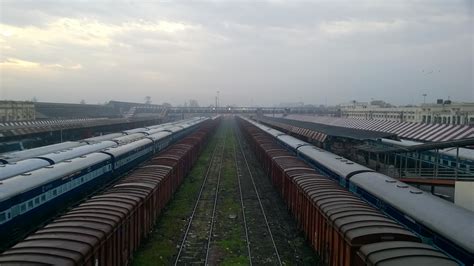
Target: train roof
<point>162,125</point>
<point>21,183</point>
<point>30,153</point>
<point>158,129</point>
<point>340,165</point>
<point>393,253</point>
<point>103,137</point>
<point>16,168</point>
<point>129,138</point>
<point>291,141</point>
<point>67,154</point>
<point>135,130</point>
<point>449,220</point>
<point>122,149</point>
<point>266,129</point>
<point>175,128</point>
<point>159,135</point>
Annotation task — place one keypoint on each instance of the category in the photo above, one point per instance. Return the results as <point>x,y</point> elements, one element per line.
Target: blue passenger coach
<point>38,193</point>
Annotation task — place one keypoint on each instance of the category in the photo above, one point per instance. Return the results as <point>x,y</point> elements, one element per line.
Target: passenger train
<point>65,176</point>
<point>15,163</point>
<point>435,220</point>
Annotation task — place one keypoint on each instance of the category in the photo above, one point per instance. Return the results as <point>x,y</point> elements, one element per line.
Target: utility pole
<point>424,97</point>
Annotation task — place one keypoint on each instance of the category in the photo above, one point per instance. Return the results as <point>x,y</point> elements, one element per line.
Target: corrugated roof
<point>8,129</point>
<point>321,131</point>
<point>409,130</point>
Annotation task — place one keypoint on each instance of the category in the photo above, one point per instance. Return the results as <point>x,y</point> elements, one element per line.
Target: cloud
<point>18,63</point>
<point>253,52</point>
<point>84,32</point>
<point>15,64</point>
<point>348,27</point>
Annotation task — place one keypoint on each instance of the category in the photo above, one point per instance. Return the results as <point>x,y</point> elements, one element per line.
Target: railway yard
<point>219,190</point>
<point>226,213</point>
<point>222,133</point>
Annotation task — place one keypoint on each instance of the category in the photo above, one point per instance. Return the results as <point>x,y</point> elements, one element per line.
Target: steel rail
<point>242,204</point>
<point>211,163</point>
<point>259,201</point>
<point>215,202</point>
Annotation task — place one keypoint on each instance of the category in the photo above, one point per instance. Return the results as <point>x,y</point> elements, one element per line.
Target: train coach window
<point>30,204</point>
<point>3,217</point>
<point>37,200</point>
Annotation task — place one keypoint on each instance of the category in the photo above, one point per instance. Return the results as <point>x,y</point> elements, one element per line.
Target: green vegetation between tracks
<point>228,245</point>
<point>229,237</point>
<point>162,245</point>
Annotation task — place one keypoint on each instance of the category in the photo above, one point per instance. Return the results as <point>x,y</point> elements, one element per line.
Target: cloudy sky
<point>253,52</point>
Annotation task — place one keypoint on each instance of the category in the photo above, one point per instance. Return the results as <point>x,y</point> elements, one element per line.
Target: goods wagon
<point>29,198</point>
<point>430,217</point>
<point>336,222</point>
<point>108,228</point>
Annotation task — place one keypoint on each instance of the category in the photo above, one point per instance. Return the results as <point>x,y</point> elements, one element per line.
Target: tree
<point>147,99</point>
<point>193,103</point>
<point>83,101</point>
<point>168,105</point>
<point>34,99</point>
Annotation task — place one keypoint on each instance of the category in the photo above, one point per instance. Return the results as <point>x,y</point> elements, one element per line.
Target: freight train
<point>107,228</point>
<point>36,195</point>
<point>435,220</point>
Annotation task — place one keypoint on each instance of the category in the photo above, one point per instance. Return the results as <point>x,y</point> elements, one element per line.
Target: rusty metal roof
<point>402,253</point>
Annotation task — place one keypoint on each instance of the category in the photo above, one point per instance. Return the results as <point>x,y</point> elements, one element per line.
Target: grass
<point>161,246</point>
<point>231,242</point>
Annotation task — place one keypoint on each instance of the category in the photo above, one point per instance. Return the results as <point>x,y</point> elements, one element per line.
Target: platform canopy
<point>468,142</point>
<point>336,131</point>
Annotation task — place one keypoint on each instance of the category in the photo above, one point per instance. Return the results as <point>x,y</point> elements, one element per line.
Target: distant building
<point>46,110</point>
<point>11,111</point>
<point>442,112</point>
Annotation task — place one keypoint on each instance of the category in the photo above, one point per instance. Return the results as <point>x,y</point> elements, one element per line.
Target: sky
<point>252,52</point>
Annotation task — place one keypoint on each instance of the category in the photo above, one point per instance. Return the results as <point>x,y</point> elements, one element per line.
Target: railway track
<point>194,247</point>
<point>235,217</point>
<point>261,244</point>
<point>289,240</point>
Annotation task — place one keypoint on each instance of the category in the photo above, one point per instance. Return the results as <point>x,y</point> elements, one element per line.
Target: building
<point>46,110</point>
<point>442,112</point>
<point>12,111</point>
